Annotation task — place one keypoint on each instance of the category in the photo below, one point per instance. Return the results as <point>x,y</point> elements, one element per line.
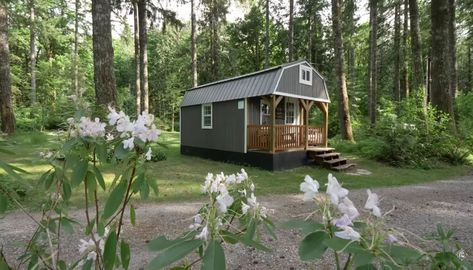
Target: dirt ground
<point>418,208</point>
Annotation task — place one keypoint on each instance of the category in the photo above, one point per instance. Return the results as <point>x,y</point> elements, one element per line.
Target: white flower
<point>124,125</point>
<point>391,239</point>
<point>129,143</point>
<point>224,200</point>
<point>148,154</point>
<point>203,235</point>
<point>109,137</point>
<point>348,233</point>
<point>244,208</point>
<point>113,116</point>
<point>348,208</point>
<point>197,222</point>
<point>46,155</point>
<point>240,177</point>
<point>372,203</point>
<point>309,187</point>
<point>87,128</point>
<point>342,221</point>
<point>242,192</point>
<point>252,187</point>
<point>335,190</point>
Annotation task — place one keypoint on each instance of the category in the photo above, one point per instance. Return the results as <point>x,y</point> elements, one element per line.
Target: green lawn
<point>179,177</point>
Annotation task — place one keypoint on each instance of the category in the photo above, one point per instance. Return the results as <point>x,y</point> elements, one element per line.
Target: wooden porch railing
<point>286,136</point>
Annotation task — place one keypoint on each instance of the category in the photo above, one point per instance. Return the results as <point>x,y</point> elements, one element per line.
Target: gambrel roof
<point>280,80</point>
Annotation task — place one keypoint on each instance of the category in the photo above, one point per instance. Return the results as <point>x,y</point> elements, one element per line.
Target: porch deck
<point>284,137</point>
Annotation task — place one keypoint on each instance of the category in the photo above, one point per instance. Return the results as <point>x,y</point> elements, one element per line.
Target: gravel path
<point>418,208</point>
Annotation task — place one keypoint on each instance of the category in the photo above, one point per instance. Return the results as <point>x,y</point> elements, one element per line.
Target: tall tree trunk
<point>104,77</point>
<point>143,53</point>
<point>291,31</point>
<point>397,52</point>
<point>215,40</point>
<point>470,71</point>
<point>136,37</point>
<point>417,73</point>
<point>76,50</point>
<point>405,65</point>
<point>343,103</point>
<point>373,63</point>
<point>452,49</point>
<point>266,35</point>
<point>7,116</point>
<point>441,97</point>
<point>193,46</point>
<point>32,51</point>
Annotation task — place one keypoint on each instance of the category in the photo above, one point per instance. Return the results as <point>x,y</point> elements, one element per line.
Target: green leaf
<point>174,253</point>
<point>162,242</point>
<point>62,265</point>
<point>229,237</point>
<point>99,177</point>
<point>312,246</point>
<point>403,255</point>
<point>307,226</point>
<point>132,215</point>
<point>214,257</point>
<point>101,152</point>
<point>154,185</point>
<point>362,258</point>
<point>49,180</point>
<point>144,191</point>
<point>87,265</point>
<point>11,170</point>
<point>120,152</point>
<point>114,201</point>
<point>250,230</point>
<point>270,228</point>
<point>66,225</point>
<point>252,243</point>
<point>3,203</point>
<point>91,183</point>
<point>79,172</point>
<point>110,250</point>
<point>66,190</point>
<point>338,243</point>
<point>136,186</point>
<point>125,254</point>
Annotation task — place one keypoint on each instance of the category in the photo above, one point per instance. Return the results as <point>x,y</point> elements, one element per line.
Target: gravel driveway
<point>418,208</point>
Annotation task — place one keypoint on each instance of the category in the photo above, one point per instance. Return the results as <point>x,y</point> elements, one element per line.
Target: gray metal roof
<point>254,84</point>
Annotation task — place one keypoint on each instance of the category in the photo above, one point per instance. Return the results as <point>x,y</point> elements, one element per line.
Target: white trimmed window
<point>207,116</point>
<point>290,113</point>
<point>305,75</point>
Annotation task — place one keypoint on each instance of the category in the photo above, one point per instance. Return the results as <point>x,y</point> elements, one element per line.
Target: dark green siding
<point>254,110</point>
<point>227,133</point>
<point>289,83</point>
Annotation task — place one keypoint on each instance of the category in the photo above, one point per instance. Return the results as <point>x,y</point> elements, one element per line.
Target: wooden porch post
<point>324,108</point>
<point>307,105</point>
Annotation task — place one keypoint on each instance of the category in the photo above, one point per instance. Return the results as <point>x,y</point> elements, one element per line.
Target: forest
<point>399,71</point>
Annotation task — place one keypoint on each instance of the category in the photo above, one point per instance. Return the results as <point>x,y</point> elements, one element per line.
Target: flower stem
<point>125,201</point>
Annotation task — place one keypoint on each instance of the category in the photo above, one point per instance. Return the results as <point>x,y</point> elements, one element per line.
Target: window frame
<point>204,115</point>
<point>303,71</point>
<point>261,114</point>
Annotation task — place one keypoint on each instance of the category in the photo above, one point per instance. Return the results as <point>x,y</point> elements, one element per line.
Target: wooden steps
<point>328,158</point>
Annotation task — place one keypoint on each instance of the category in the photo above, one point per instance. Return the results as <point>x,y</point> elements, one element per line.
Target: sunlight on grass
<point>180,177</point>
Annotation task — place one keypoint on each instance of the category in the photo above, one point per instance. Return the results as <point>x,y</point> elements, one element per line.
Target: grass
<point>179,177</point>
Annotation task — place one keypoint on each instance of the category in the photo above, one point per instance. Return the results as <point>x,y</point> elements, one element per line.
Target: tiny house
<point>259,119</point>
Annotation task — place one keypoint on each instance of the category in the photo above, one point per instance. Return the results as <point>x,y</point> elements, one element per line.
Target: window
<point>265,115</point>
<point>305,75</point>
<point>207,116</point>
<point>290,112</point>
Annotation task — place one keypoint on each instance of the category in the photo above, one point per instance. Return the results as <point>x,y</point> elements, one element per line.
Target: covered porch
<point>284,125</point>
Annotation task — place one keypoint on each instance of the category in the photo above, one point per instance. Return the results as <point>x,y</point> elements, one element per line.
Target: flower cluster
<point>88,248</point>
<point>86,127</point>
<point>143,128</point>
<point>339,200</point>
<point>226,192</point>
